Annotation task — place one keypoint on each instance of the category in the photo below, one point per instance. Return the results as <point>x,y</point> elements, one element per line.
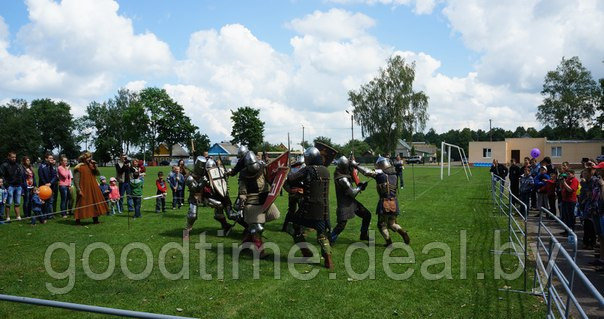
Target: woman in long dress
<point>90,202</point>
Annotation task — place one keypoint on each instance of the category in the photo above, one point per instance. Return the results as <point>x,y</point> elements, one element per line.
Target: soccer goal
<point>446,147</point>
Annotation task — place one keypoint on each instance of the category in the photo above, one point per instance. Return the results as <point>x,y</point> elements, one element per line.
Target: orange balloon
<point>45,192</point>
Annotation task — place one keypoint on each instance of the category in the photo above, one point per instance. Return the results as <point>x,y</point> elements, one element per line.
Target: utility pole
<point>490,130</point>
<point>302,136</point>
<point>351,131</point>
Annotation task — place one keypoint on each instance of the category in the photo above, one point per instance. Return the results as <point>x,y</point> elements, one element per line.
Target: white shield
<point>218,181</point>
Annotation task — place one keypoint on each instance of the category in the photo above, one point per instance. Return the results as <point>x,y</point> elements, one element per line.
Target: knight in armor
<point>253,192</point>
<point>203,193</point>
<point>348,206</point>
<point>294,192</point>
<point>387,207</point>
<point>314,207</point>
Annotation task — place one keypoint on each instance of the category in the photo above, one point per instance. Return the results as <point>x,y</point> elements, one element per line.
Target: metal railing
<point>556,273</point>
<point>517,222</point>
<point>86,308</point>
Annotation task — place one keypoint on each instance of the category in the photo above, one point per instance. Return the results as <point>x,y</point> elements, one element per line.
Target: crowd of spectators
<point>568,194</point>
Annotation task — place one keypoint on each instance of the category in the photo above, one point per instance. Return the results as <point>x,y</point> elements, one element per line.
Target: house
<point>427,151</point>
<point>162,153</point>
<point>572,151</point>
<point>423,149</point>
<point>225,150</point>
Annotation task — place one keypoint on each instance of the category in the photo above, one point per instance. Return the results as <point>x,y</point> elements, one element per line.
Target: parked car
<point>414,160</point>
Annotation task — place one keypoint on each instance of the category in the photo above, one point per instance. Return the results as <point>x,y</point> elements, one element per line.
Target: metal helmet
<point>343,164</point>
<point>312,156</point>
<point>382,163</point>
<point>251,163</point>
<point>200,164</point>
<point>241,151</point>
<point>210,163</point>
<point>298,161</point>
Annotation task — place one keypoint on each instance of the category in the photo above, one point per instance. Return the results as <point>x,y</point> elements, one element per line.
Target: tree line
<point>130,122</point>
<point>387,108</point>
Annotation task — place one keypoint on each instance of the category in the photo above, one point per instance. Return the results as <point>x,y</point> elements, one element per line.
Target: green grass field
<point>439,212</point>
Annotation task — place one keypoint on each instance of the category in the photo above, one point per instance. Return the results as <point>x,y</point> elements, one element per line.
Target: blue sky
<point>174,21</point>
<point>296,60</point>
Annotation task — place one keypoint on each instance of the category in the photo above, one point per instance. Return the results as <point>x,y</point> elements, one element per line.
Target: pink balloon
<point>535,152</point>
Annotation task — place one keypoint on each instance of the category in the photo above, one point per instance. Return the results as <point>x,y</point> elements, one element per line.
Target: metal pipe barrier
<point>552,258</point>
<point>87,308</point>
<point>500,198</point>
<point>550,276</point>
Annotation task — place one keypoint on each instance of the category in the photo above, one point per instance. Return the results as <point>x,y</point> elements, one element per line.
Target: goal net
<point>446,150</point>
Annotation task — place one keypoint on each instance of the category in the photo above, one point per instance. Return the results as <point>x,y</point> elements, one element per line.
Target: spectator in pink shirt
<point>114,196</point>
<point>65,177</point>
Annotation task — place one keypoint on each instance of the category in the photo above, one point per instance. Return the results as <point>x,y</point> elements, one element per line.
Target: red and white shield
<point>278,180</point>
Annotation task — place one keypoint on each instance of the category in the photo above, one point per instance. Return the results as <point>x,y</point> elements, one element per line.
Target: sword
<point>222,177</point>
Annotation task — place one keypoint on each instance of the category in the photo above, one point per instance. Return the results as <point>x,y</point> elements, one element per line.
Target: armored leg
<point>397,228</point>
<point>325,248</point>
<point>337,230</point>
<point>219,217</point>
<point>297,233</point>
<point>366,216</point>
<point>191,218</point>
<point>383,227</point>
<point>255,230</point>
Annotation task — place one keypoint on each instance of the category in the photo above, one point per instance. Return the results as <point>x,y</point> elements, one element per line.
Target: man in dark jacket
<point>47,176</point>
<point>502,172</point>
<point>515,173</point>
<point>14,175</point>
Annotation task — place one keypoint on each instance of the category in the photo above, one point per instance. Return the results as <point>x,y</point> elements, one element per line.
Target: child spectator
<point>541,190</point>
<point>176,181</point>
<point>570,185</point>
<point>136,187</point>
<point>36,207</point>
<point>114,196</point>
<point>525,188</point>
<point>142,170</point>
<point>160,202</point>
<point>3,197</point>
<point>105,190</point>
<point>551,192</point>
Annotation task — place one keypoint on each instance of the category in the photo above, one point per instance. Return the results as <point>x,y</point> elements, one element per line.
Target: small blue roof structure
<point>223,148</point>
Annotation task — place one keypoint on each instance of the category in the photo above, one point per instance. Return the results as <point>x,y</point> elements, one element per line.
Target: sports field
<point>441,215</point>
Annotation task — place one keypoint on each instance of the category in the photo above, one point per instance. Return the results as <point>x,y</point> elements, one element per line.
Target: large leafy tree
<point>134,121</point>
<point>599,100</point>
<point>16,131</point>
<point>201,142</point>
<point>108,135</point>
<point>568,98</point>
<point>55,124</point>
<point>387,106</point>
<point>248,128</point>
<point>167,121</point>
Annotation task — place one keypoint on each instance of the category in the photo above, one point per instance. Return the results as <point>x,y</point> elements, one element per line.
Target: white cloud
<point>306,88</point>
<point>521,40</point>
<point>90,35</point>
<point>136,85</point>
<point>334,24</point>
<point>79,50</point>
<point>75,50</point>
